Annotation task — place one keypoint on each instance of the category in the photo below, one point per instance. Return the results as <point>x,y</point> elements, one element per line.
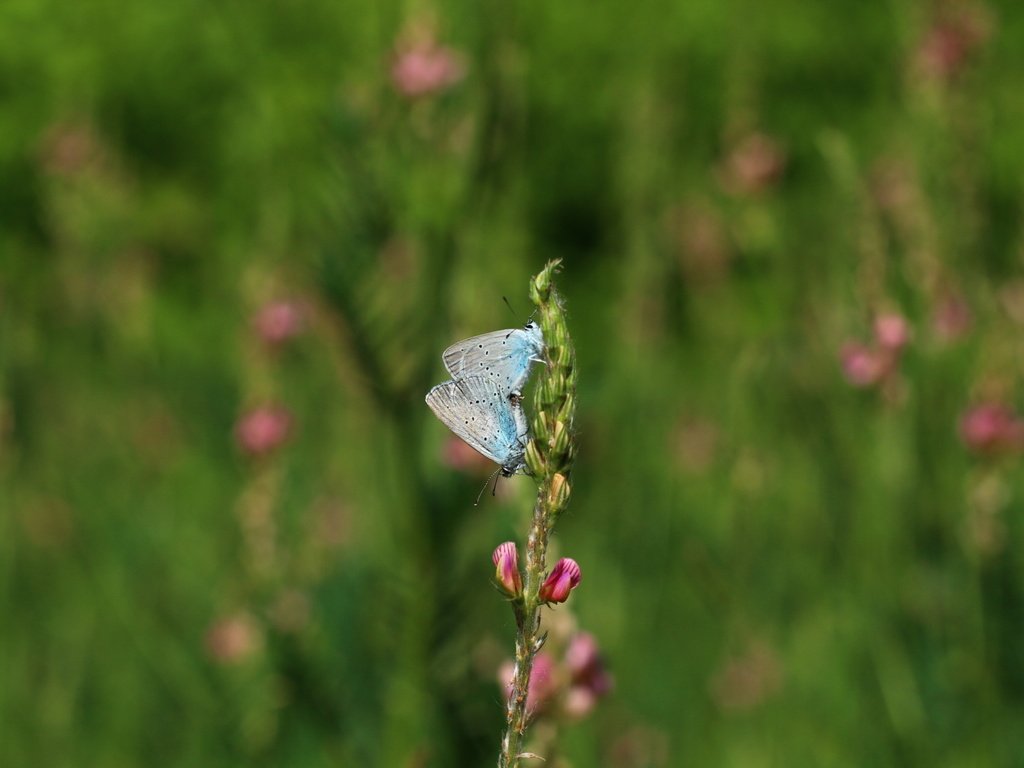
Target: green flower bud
<point>534,459</point>
<point>558,495</point>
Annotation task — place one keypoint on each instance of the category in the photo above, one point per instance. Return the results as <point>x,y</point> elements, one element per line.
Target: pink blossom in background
<point>991,428</point>
<point>233,638</point>
<point>892,332</point>
<point>569,686</point>
<point>583,657</point>
<point>756,163</point>
<point>862,366</point>
<point>950,43</point>
<point>424,67</point>
<point>589,678</point>
<point>543,680</point>
<point>263,429</point>
<point>278,321</point>
<point>865,365</point>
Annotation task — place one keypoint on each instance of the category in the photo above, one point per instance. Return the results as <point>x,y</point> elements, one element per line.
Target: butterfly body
<point>490,420</point>
<point>503,356</point>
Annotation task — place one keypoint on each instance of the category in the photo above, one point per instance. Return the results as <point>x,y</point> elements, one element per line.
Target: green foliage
<point>782,568</point>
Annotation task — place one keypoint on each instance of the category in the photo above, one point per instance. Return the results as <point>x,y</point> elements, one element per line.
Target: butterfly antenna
<point>494,490</point>
<point>505,299</point>
<point>484,488</point>
<point>507,304</point>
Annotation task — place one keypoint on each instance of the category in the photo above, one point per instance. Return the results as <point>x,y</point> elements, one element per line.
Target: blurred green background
<point>235,238</point>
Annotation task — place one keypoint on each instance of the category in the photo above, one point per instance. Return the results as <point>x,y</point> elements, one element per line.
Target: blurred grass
<point>781,568</point>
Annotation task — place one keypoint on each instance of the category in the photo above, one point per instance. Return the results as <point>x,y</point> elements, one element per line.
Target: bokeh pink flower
<point>862,366</point>
<point>950,43</point>
<point>569,685</point>
<point>424,67</point>
<point>589,678</point>
<point>866,365</point>
<point>543,680</point>
<point>992,428</point>
<point>262,429</point>
<point>278,321</point>
<point>892,332</point>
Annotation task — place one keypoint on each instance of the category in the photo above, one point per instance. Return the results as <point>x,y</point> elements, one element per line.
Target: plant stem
<point>549,456</point>
<point>527,629</point>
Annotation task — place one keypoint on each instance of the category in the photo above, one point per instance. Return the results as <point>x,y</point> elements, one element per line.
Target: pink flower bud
<point>560,582</point>
<point>506,563</point>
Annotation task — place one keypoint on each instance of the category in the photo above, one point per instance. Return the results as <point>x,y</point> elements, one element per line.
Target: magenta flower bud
<point>560,582</point>
<point>506,563</point>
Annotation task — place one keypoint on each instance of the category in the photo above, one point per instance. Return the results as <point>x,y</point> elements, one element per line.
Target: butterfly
<point>481,413</point>
<point>504,357</point>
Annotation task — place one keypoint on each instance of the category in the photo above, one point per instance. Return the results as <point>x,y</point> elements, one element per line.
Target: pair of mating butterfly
<point>482,402</point>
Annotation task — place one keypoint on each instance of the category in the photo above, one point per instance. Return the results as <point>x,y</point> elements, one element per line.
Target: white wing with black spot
<point>478,411</point>
<point>503,356</point>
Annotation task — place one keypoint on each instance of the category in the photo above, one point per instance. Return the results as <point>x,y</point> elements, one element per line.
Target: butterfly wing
<point>501,356</point>
<point>478,411</point>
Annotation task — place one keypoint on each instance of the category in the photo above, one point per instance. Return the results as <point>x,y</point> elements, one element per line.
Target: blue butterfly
<point>492,422</point>
<point>504,357</point>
